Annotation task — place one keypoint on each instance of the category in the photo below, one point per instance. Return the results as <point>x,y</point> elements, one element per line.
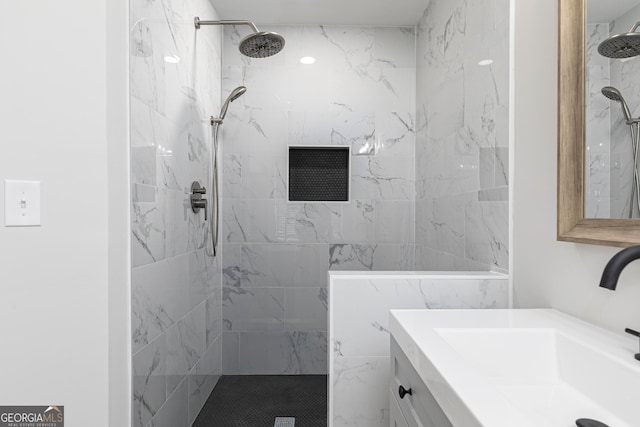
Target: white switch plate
<point>21,203</point>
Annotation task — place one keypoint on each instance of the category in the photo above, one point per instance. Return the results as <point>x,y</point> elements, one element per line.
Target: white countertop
<point>547,368</point>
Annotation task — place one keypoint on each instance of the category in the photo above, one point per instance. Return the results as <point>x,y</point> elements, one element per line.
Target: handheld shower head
<point>614,94</point>
<point>620,46</point>
<point>259,44</point>
<point>235,94</point>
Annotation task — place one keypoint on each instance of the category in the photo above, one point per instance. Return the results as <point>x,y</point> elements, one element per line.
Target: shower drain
<point>285,422</point>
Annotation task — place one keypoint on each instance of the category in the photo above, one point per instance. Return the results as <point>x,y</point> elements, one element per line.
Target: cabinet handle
<point>403,392</point>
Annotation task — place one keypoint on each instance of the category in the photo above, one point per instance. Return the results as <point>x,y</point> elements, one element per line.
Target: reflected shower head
<point>235,94</point>
<point>259,44</point>
<point>620,46</point>
<point>614,94</point>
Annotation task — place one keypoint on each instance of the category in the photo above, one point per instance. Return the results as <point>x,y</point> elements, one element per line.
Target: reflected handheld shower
<point>614,94</point>
<point>634,125</point>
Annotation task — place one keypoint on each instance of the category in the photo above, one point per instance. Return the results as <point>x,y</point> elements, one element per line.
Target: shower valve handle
<point>200,204</point>
<point>197,202</point>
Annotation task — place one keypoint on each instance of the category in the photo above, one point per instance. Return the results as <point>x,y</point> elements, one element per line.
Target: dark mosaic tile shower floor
<point>256,401</point>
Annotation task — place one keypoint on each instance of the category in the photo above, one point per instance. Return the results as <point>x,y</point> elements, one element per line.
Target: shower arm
<point>197,22</point>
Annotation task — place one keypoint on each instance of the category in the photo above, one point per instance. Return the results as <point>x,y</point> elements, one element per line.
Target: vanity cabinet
<point>418,409</point>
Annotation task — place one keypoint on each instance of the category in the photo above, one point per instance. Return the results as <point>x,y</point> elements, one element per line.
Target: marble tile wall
<point>360,92</point>
<point>598,127</point>
<point>359,357</point>
<point>462,136</point>
<point>176,286</point>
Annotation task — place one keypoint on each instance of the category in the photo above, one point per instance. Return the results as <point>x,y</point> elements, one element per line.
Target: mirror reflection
<point>612,182</point>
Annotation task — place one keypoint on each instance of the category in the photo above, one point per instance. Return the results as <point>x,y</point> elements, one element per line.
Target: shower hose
<point>214,224</point>
<point>635,187</point>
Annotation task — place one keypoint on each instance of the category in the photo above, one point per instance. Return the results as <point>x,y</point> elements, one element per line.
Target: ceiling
<point>326,12</point>
<point>600,11</point>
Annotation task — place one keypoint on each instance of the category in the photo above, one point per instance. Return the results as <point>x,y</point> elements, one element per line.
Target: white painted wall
<point>119,286</point>
<point>548,273</point>
<point>56,127</point>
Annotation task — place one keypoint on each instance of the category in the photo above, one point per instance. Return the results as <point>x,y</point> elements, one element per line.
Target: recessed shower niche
<point>319,173</point>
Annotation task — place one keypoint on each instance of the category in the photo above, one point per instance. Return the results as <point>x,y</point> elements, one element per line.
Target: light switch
<point>21,203</point>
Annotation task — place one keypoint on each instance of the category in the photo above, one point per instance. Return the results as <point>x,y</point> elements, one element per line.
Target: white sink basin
<point>519,368</point>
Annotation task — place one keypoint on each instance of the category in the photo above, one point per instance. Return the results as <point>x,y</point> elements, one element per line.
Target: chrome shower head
<point>259,44</point>
<point>614,94</point>
<point>235,94</point>
<point>620,46</point>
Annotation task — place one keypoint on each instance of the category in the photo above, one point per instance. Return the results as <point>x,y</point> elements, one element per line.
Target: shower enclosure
<point>259,306</point>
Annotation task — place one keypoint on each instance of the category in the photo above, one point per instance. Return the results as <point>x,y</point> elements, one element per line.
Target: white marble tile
<point>147,231</point>
<point>143,165</point>
<point>361,92</point>
<point>462,134</point>
<point>313,222</point>
<point>502,167</point>
<point>356,129</point>
<point>230,353</point>
<point>232,176</point>
<point>278,265</point>
<point>264,177</point>
<point>499,194</point>
<point>359,221</point>
<point>378,257</point>
<point>253,131</point>
<point>203,378</point>
<point>395,133</point>
<point>214,317</point>
<point>175,410</point>
<point>360,392</point>
<point>251,221</point>
<point>253,309</point>
<point>394,47</point>
<point>289,353</point>
<point>487,230</point>
<point>341,46</point>
<point>374,89</point>
<point>446,224</point>
<point>160,297</point>
<point>359,340</point>
<point>367,333</point>
<point>380,178</point>
<point>177,215</point>
<point>599,175</point>
<point>395,221</point>
<point>446,106</point>
<point>173,278</point>
<point>149,382</point>
<point>461,294</point>
<point>598,76</point>
<point>305,309</point>
<point>351,257</point>
<point>186,344</point>
<point>198,278</point>
<point>147,77</point>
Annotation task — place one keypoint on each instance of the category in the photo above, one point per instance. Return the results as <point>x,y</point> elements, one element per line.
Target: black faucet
<point>616,264</point>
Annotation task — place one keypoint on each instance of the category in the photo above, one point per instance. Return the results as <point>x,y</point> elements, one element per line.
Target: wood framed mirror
<point>572,225</point>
